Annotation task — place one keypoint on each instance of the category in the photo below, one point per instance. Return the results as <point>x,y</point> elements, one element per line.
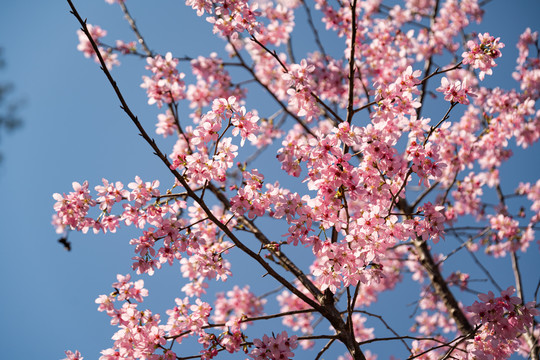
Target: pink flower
<point>456,91</point>
<point>298,75</point>
<point>239,303</point>
<point>166,125</point>
<point>73,356</point>
<point>166,84</point>
<point>274,348</point>
<point>502,320</point>
<point>72,208</point>
<point>245,124</point>
<point>85,46</point>
<point>232,17</point>
<point>481,56</point>
<point>201,6</point>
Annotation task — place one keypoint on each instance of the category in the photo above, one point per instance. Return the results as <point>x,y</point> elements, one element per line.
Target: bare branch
<point>326,347</point>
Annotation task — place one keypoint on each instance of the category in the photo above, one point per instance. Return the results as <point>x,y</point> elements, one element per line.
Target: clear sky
<point>74,130</point>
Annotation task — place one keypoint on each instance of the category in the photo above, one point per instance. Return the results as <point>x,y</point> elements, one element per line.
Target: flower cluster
<point>460,279</point>
<point>72,209</point>
<point>281,22</point>
<point>482,55</point>
<point>85,46</point>
<point>502,319</point>
<point>73,355</point>
<point>528,67</point>
<point>185,318</point>
<point>431,226</point>
<point>166,84</point>
<point>161,243</point>
<point>239,303</point>
<point>166,125</point>
<point>455,91</point>
<point>231,17</point>
<point>468,194</point>
<point>126,48</point>
<point>301,101</point>
<point>213,82</point>
<point>274,348</point>
<point>249,198</point>
<point>267,133</point>
<point>302,321</point>
<point>507,237</point>
<point>214,158</point>
<point>533,194</point>
<point>140,333</point>
<point>426,160</point>
<point>397,98</point>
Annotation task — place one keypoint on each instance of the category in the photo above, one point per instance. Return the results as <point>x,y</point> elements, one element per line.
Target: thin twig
<point>135,29</point>
<point>352,65</point>
<point>325,347</point>
<point>481,266</point>
<point>314,31</point>
<point>423,195</point>
<point>386,325</point>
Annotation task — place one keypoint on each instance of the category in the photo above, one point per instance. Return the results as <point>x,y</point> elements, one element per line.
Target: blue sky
<point>74,130</point>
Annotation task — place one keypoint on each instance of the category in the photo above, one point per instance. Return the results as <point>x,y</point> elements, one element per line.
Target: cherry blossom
<point>73,356</point>
<point>273,348</point>
<point>502,319</point>
<point>455,92</point>
<point>86,48</point>
<point>481,55</point>
<point>332,176</point>
<point>166,84</point>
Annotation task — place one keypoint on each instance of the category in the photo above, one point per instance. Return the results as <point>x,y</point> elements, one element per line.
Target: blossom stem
<point>427,67</point>
<point>314,31</point>
<point>135,29</point>
<point>350,100</point>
